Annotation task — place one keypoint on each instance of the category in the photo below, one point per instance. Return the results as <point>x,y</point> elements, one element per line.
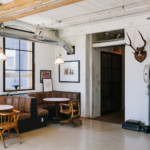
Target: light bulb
<point>59,60</point>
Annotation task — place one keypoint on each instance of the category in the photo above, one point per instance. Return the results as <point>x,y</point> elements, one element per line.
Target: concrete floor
<point>92,135</point>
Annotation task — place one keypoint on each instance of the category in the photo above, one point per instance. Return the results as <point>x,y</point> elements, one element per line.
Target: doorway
<point>112,85</point>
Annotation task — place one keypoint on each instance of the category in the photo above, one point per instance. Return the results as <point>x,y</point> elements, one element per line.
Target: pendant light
<point>2,56</point>
<point>59,60</point>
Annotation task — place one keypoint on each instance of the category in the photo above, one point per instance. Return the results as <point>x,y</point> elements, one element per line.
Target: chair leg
<point>17,131</point>
<point>73,123</point>
<point>80,122</point>
<point>9,134</point>
<point>2,139</point>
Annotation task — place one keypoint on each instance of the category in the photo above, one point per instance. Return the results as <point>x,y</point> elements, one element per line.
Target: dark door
<point>111,82</point>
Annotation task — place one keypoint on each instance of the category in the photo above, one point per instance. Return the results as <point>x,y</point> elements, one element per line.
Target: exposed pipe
<point>14,33</point>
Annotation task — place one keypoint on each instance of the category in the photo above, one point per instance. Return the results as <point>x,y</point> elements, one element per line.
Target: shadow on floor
<point>116,117</point>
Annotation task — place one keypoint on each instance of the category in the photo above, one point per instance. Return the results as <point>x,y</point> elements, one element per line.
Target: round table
<point>4,108</point>
<point>56,100</point>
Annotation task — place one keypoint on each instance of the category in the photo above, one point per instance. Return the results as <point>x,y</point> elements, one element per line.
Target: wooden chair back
<point>73,110</point>
<point>8,121</point>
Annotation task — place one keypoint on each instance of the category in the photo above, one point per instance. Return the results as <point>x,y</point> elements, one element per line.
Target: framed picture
<point>69,72</point>
<point>45,74</point>
<point>73,47</point>
<point>47,85</point>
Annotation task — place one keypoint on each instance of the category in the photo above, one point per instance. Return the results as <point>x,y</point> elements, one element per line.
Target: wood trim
<point>19,5</point>
<point>23,8</point>
<point>13,4</point>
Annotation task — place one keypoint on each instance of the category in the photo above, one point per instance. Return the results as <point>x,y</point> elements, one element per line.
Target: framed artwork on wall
<point>45,74</point>
<point>70,72</point>
<point>47,85</point>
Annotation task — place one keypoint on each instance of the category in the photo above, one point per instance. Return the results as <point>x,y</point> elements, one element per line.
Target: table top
<point>56,99</point>
<point>6,107</point>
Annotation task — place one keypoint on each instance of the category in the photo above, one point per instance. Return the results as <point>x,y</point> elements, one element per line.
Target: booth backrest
<point>41,95</point>
<point>22,104</point>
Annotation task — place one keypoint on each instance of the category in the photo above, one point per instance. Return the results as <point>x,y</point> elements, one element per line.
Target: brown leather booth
<point>33,110</point>
<point>23,104</point>
<point>28,118</point>
<point>41,104</point>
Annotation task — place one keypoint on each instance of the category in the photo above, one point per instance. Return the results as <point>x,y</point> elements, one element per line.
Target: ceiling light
<point>2,56</point>
<point>59,60</point>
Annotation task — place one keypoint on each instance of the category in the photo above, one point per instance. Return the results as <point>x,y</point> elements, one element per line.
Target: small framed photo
<point>73,47</point>
<point>70,72</point>
<point>47,85</point>
<point>45,74</point>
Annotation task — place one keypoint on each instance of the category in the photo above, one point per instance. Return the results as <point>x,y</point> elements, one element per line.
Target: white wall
<point>1,68</point>
<point>136,101</point>
<point>88,84</point>
<point>44,60</point>
<point>95,83</point>
<point>79,42</point>
<point>107,25</point>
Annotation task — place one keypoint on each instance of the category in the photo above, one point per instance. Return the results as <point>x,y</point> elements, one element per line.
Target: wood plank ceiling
<point>21,8</point>
<point>88,11</point>
<point>78,12</point>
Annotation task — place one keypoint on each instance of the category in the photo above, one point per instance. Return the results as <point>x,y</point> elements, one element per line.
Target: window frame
<point>33,66</point>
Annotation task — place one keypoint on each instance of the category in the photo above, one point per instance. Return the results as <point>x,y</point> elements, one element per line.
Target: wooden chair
<point>73,110</point>
<point>9,121</point>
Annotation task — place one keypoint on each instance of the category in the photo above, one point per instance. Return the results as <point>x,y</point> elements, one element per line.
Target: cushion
<point>41,111</point>
<point>23,104</point>
<point>46,106</point>
<point>2,100</point>
<point>24,116</point>
<point>27,107</point>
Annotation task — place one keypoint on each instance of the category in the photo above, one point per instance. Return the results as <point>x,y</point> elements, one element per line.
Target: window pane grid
<point>18,49</point>
<point>16,70</point>
<point>25,67</point>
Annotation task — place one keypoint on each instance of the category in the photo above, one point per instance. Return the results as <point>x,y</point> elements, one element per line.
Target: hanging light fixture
<point>2,56</point>
<point>59,60</point>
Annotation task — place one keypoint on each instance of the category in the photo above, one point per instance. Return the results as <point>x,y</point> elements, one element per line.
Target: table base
<point>56,119</point>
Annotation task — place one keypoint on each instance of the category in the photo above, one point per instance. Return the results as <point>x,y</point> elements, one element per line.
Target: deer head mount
<point>139,52</point>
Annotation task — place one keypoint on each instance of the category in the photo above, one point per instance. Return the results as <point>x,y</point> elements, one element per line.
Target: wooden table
<point>4,108</point>
<point>56,100</point>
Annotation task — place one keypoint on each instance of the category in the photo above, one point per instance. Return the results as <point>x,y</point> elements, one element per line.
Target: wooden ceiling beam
<point>21,8</point>
<point>13,4</point>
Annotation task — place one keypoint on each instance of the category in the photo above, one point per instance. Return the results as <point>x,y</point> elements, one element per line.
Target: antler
<point>130,43</point>
<point>142,39</point>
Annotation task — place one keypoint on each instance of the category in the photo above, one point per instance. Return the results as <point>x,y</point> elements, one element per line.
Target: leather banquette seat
<point>41,104</point>
<point>28,118</point>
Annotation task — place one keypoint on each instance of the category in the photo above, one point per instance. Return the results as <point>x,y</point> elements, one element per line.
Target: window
<point>19,66</point>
